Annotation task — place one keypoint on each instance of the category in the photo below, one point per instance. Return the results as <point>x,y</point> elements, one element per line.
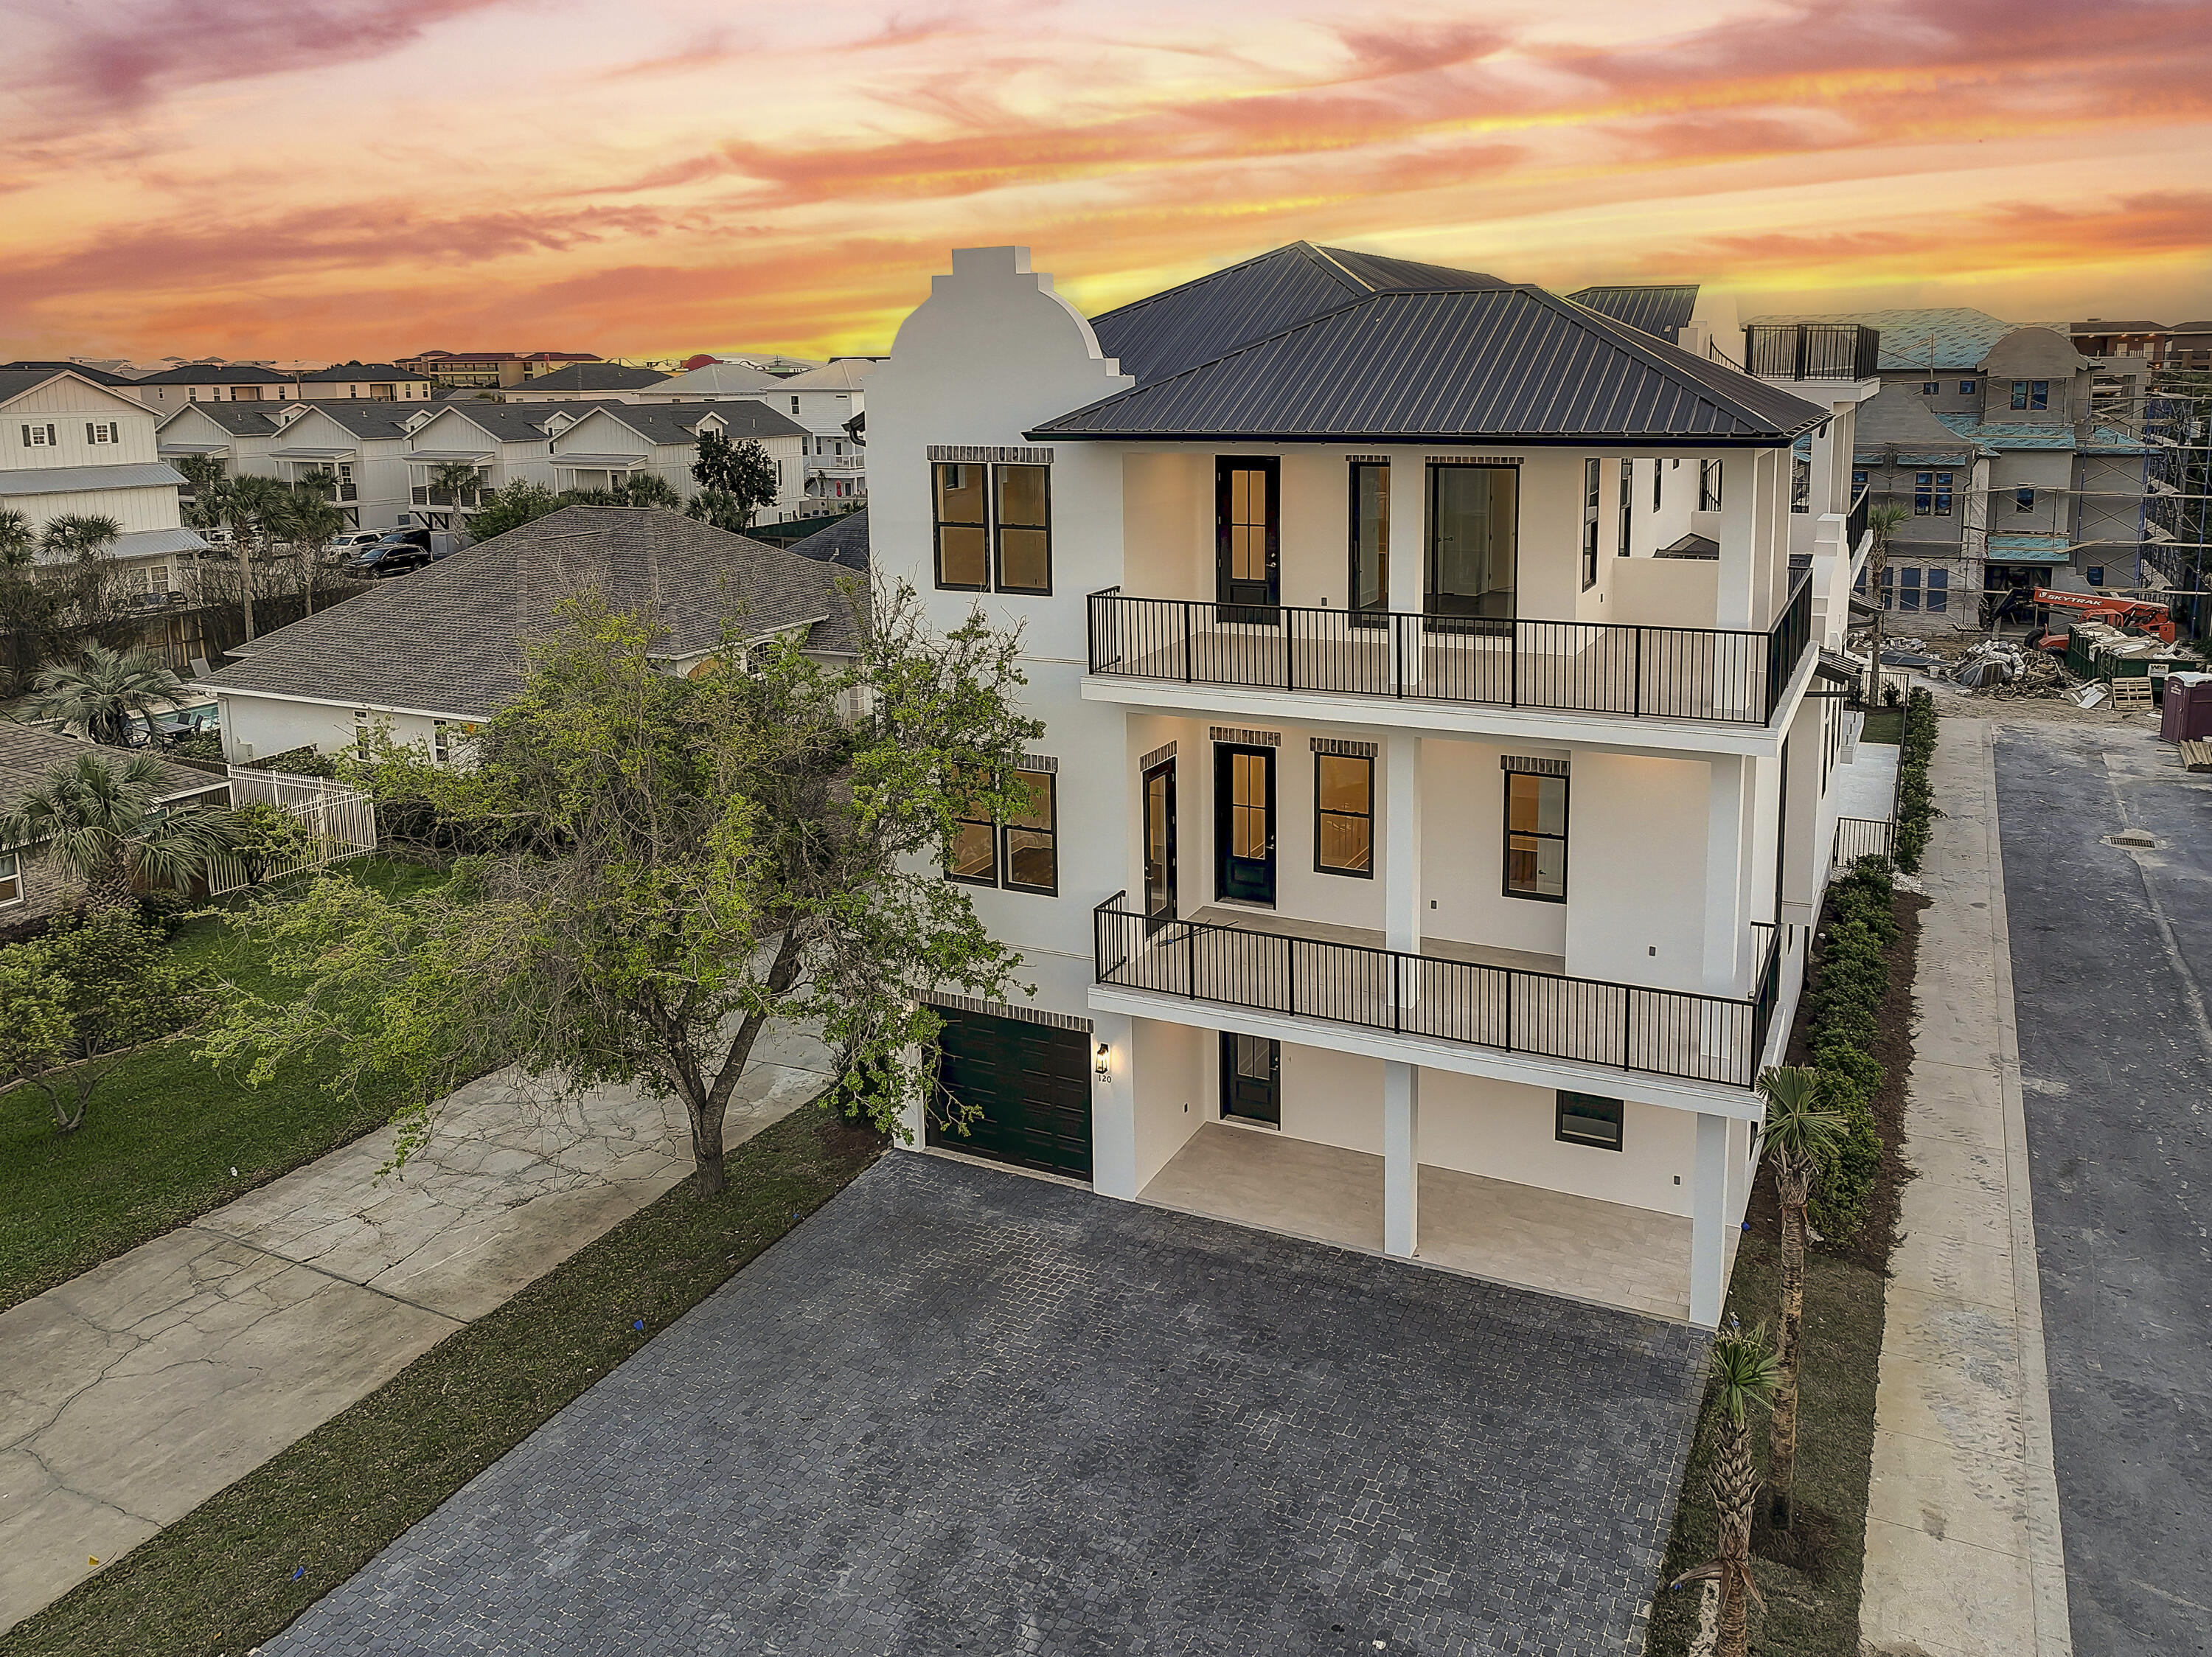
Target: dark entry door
<point>1032,1083</point>
<point>1471,544</point>
<point>1252,1079</point>
<point>1248,535</point>
<point>1244,822</point>
<point>1159,846</point>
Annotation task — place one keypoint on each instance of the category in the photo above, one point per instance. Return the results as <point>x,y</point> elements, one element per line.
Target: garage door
<point>1032,1082</point>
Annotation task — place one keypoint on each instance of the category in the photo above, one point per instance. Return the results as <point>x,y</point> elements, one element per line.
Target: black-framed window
<point>1022,527</point>
<point>1627,499</point>
<point>1709,485</point>
<point>960,512</point>
<point>2094,575</point>
<point>2031,393</point>
<point>1938,592</point>
<point>1032,836</point>
<point>1658,478</point>
<point>1368,573</point>
<point>1590,1119</point>
<point>1966,388</point>
<point>1931,494</point>
<point>2023,500</point>
<point>1801,483</point>
<point>973,855</point>
<point>1590,524</point>
<point>1931,388</point>
<point>1536,837</point>
<point>1908,588</point>
<point>11,879</point>
<point>1889,586</point>
<point>1344,814</point>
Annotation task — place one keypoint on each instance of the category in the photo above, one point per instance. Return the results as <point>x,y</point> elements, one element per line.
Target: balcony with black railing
<point>1812,350</point>
<point>1446,993</point>
<point>1733,676</point>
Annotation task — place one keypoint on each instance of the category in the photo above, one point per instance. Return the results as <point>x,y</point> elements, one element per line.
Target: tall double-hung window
<point>1590,524</point>
<point>992,525</point>
<point>1536,829</point>
<point>1709,485</point>
<point>1627,487</point>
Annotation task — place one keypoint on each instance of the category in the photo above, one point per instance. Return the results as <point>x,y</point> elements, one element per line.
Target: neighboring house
<point>362,445</point>
<point>1407,868</point>
<point>433,655</point>
<point>2065,501</point>
<point>1700,320</point>
<point>828,402</point>
<point>490,370</point>
<point>712,382</point>
<point>214,382</point>
<point>1902,454</point>
<point>844,543</point>
<point>99,376</point>
<point>31,888</point>
<point>71,447</point>
<point>594,382</point>
<point>374,382</point>
<point>506,442</point>
<point>614,440</point>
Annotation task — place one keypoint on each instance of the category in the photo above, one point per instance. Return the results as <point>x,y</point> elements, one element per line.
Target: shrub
<point>1843,1011</point>
<point>1916,805</point>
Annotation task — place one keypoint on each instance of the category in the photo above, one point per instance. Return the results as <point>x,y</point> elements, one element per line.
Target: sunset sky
<point>337,178</point>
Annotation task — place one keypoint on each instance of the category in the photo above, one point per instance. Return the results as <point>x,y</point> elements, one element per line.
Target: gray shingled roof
<point>28,753</point>
<point>240,420</point>
<point>47,370</point>
<point>674,423</point>
<point>364,419</point>
<point>1483,364</point>
<point>1660,309</point>
<point>217,374</point>
<point>1199,320</point>
<point>13,382</point>
<point>339,373</point>
<point>512,423</point>
<point>447,639</point>
<point>69,480</point>
<point>596,376</point>
<point>844,543</point>
<point>1897,418</point>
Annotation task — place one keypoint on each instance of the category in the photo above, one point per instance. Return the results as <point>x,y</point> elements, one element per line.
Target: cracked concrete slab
<point>134,1392</point>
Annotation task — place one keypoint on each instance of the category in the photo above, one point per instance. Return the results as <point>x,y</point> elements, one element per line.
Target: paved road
<point>2111,956</point>
<point>961,1409</point>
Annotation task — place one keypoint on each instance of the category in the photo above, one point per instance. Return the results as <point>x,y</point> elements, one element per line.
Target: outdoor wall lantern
<point>1105,1068</point>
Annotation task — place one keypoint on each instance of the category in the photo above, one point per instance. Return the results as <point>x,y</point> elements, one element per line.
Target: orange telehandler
<point>2151,619</point>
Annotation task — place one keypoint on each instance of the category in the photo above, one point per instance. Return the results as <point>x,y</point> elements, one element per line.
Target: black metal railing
<point>1727,675</point>
<point>1621,1026</point>
<point>1812,350</point>
<point>1857,837</point>
<point>1855,522</point>
<point>422,495</point>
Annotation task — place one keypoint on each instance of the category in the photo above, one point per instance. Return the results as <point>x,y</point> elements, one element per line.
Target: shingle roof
<point>845,373</point>
<point>596,376</point>
<point>1481,364</point>
<point>447,638</point>
<point>47,370</point>
<point>1897,417</point>
<point>672,422</point>
<point>1199,320</point>
<point>2135,324</point>
<point>511,423</point>
<point>13,382</point>
<point>217,374</point>
<point>844,543</point>
<point>239,419</point>
<point>362,419</point>
<point>340,372</point>
<point>69,480</point>
<point>28,753</point>
<point>1662,310</point>
<point>719,380</point>
<point>1959,336</point>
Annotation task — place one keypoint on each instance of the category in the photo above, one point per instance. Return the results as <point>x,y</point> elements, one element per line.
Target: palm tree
<point>250,504</point>
<point>17,543</point>
<point>1883,521</point>
<point>101,820</point>
<point>1743,1367</point>
<point>1800,1135</point>
<point>456,478</point>
<point>78,537</point>
<point>306,521</point>
<point>99,697</point>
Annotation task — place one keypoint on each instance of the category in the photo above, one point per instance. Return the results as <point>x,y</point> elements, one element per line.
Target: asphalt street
<point>2112,949</point>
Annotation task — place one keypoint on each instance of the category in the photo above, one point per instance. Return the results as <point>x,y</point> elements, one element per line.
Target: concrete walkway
<point>1962,1549</point>
<point>135,1391</point>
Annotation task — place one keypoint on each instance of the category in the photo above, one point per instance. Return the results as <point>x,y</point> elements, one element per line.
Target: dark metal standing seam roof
<point>1659,310</point>
<point>1478,364</point>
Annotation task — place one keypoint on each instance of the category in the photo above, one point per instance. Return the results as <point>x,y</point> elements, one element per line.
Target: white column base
<point>1709,1221</point>
<point>1401,1158</point>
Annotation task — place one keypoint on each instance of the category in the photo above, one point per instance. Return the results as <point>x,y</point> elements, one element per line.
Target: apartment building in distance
<point>214,382</point>
<point>357,381</point>
<point>489,370</point>
<point>1419,858</point>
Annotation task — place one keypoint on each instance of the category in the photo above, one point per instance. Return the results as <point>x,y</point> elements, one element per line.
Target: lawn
<point>1884,725</point>
<point>167,1138</point>
<point>221,1578</point>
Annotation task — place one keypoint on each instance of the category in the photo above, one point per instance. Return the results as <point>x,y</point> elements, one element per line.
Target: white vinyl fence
<point>340,823</point>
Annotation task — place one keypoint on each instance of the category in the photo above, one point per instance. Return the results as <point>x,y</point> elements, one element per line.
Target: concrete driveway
<point>963,1410</point>
<point>2111,949</point>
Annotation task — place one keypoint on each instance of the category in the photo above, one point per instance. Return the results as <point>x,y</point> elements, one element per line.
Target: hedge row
<point>1916,805</point>
<point>1842,1010</point>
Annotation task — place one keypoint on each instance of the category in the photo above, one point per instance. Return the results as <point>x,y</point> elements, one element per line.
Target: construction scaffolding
<point>2178,507</point>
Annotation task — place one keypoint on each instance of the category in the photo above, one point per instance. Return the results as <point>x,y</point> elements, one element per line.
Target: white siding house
<point>1418,864</point>
<point>613,441</point>
<point>826,401</point>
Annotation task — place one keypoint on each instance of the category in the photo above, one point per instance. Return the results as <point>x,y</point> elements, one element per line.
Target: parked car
<point>402,550</point>
<point>354,540</point>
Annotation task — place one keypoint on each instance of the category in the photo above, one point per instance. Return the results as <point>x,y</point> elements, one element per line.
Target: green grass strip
<point>220,1580</point>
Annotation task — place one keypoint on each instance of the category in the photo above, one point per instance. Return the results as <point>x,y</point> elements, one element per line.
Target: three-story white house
<point>1424,841</point>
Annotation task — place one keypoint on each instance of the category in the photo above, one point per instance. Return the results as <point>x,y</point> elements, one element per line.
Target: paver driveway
<point>960,1410</point>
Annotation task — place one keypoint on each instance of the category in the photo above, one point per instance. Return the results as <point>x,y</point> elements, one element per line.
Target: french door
<point>1159,846</point>
<point>1472,547</point>
<point>1248,537</point>
<point>1244,823</point>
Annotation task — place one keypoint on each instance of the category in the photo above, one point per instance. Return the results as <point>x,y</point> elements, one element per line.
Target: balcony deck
<point>1459,993</point>
<point>1546,1240</point>
<point>1706,674</point>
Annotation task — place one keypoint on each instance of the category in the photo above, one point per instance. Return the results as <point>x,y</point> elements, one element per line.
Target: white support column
<point>1739,529</point>
<point>1113,1106</point>
<point>1709,1222</point>
<point>1401,843</point>
<point>1401,1158</point>
<point>1409,501</point>
<point>1725,918</point>
<point>1820,474</point>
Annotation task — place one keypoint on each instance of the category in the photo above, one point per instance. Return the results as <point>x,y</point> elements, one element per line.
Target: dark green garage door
<point>1032,1082</point>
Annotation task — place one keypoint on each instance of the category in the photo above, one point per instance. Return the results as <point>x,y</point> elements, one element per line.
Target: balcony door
<point>1472,543</point>
<point>1248,537</point>
<point>1244,823</point>
<point>1159,846</point>
<point>1251,1079</point>
<point>1368,595</point>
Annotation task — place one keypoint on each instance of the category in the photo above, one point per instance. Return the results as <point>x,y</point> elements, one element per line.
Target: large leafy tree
<point>99,819</point>
<point>102,695</point>
<point>81,997</point>
<point>1744,1377</point>
<point>512,506</point>
<point>1801,1133</point>
<point>663,865</point>
<point>742,471</point>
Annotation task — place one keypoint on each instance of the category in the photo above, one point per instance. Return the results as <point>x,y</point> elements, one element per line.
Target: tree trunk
<point>246,582</point>
<point>1735,1486</point>
<point>1782,1435</point>
<point>709,1176</point>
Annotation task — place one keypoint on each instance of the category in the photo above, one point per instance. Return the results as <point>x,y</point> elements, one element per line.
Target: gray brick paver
<point>961,1409</point>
